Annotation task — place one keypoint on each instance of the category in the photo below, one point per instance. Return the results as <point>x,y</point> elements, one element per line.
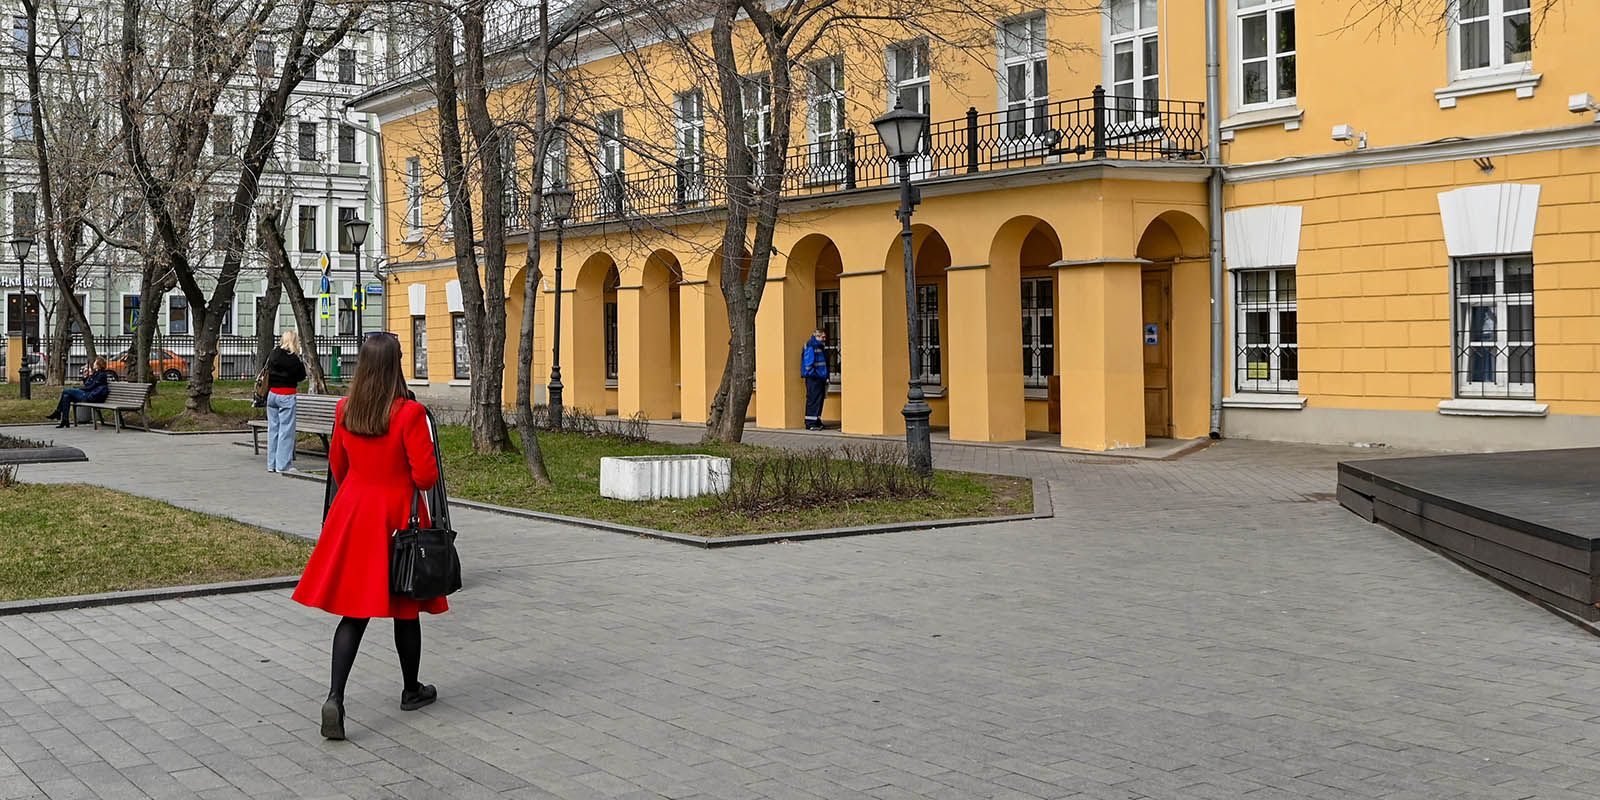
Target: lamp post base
<point>919,444</point>
<point>555,403</point>
<point>25,388</point>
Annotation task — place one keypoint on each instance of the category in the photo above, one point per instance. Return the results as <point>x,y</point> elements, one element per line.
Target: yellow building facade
<point>1409,224</point>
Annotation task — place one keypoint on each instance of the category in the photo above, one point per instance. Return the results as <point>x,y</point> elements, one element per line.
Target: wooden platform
<point>1530,520</point>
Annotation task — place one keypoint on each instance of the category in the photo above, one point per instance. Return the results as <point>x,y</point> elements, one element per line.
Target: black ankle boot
<point>333,719</point>
<point>413,699</point>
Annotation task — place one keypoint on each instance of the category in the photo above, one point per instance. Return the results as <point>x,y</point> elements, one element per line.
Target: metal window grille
<point>1266,352</point>
<point>930,355</point>
<point>611,339</point>
<point>460,354</point>
<point>1038,331</point>
<point>1494,327</point>
<point>419,347</point>
<point>828,322</point>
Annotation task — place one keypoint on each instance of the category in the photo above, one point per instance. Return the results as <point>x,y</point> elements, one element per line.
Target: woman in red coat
<point>381,456</point>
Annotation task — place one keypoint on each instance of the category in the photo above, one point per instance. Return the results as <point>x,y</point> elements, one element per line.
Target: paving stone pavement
<point>1211,627</point>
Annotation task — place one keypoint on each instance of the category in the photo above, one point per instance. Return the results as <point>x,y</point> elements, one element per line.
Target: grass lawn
<point>60,540</point>
<point>231,400</point>
<point>574,464</point>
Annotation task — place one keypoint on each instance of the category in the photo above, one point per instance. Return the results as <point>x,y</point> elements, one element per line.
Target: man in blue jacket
<point>814,368</point>
<point>96,385</point>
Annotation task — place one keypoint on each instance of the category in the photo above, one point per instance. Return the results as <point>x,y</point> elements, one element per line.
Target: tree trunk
<point>266,312</point>
<point>150,294</point>
<point>532,276</point>
<point>281,277</point>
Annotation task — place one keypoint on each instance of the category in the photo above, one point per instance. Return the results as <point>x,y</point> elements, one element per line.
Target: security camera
<point>1343,133</point>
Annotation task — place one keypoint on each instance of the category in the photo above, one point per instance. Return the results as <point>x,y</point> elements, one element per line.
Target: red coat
<point>348,573</point>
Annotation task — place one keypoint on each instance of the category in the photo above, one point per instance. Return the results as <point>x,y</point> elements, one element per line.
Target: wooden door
<point>1157,344</point>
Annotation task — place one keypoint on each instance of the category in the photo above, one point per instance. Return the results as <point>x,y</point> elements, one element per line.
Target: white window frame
<point>1130,115</point>
<point>689,135</point>
<point>827,124</point>
<point>1023,46</point>
<point>755,104</point>
<point>1273,306</point>
<point>175,301</point>
<point>919,85</point>
<point>611,160</point>
<point>1500,303</point>
<point>1495,17</point>
<point>555,162</point>
<point>413,197</point>
<point>1246,9</point>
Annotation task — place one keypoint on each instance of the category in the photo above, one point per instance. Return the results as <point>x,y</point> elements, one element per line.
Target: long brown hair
<point>377,384</point>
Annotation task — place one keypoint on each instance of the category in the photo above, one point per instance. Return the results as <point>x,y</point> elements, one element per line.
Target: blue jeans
<point>280,431</point>
<point>68,397</point>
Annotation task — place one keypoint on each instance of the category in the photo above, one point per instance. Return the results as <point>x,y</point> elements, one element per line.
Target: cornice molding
<point>1587,135</point>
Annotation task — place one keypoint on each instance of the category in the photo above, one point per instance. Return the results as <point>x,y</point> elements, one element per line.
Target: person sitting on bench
<point>96,385</point>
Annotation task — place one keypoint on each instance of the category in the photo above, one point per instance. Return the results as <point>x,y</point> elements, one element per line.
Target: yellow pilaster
<point>704,321</point>
<point>1102,369</point>
<point>785,321</point>
<point>14,352</point>
<point>872,332</point>
<point>1191,348</point>
<point>644,349</point>
<point>985,371</point>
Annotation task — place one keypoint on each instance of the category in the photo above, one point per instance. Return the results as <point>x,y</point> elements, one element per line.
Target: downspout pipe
<point>375,175</point>
<point>1214,207</point>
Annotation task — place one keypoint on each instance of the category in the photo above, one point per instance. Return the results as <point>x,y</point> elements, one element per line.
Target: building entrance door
<point>1156,297</point>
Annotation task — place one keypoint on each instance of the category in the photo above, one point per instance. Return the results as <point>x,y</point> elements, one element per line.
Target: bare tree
<point>168,109</point>
<point>270,222</point>
<point>72,159</point>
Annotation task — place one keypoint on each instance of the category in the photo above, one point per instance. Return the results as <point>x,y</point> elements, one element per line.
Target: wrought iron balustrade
<point>1101,126</point>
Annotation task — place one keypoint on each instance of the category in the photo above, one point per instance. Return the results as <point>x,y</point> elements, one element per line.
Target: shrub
<point>584,423</point>
<point>783,480</point>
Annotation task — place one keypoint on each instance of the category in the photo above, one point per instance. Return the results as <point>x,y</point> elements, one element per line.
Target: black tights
<point>347,641</point>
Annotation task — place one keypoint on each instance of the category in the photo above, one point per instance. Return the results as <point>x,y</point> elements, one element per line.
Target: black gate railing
<point>172,357</point>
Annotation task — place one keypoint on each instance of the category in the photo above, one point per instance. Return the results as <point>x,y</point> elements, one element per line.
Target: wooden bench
<point>313,413</point>
<point>122,397</point>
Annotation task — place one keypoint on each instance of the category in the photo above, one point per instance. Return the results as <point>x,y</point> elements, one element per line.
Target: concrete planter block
<point>655,477</point>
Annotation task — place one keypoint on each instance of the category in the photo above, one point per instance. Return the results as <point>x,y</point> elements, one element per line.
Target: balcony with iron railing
<point>1101,127</point>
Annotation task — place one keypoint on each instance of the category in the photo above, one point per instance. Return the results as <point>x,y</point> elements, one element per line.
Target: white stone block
<point>655,477</point>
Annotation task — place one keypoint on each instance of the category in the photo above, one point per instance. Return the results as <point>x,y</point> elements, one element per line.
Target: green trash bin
<point>336,363</point>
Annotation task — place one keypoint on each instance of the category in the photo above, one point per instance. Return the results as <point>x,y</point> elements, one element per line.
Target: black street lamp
<point>21,246</point>
<point>903,132</point>
<point>558,202</point>
<point>357,228</point>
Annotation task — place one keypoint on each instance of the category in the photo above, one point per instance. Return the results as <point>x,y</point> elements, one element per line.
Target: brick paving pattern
<point>1210,627</point>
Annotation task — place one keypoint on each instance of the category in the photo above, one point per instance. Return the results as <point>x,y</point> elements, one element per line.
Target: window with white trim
<point>1134,49</point>
<point>22,121</point>
<point>827,126</point>
<point>1494,327</point>
<point>413,195</point>
<point>930,354</point>
<point>1025,71</point>
<point>1266,352</point>
<point>828,322</point>
<point>909,80</point>
<point>612,161</point>
<point>555,162</point>
<point>1038,331</point>
<point>510,189</point>
<point>1265,60</point>
<point>689,130</point>
<point>755,103</point>
<point>1490,35</point>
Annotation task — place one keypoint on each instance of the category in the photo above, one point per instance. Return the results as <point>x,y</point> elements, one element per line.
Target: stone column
<point>1099,324</point>
<point>984,355</point>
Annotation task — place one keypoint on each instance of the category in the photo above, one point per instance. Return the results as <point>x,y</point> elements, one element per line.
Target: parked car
<point>169,365</point>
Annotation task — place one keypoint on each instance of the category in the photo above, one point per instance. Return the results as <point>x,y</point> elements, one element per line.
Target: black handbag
<point>423,563</point>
